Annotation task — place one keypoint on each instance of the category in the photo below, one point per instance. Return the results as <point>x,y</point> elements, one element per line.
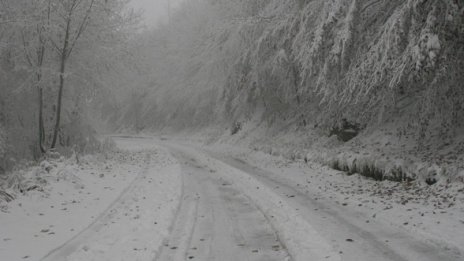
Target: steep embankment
<point>392,69</point>
<point>315,61</point>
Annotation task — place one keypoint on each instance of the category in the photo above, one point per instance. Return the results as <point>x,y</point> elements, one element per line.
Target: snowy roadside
<point>105,201</point>
<point>432,213</point>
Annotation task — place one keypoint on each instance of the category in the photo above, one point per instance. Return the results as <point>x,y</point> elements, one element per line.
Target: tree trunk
<point>59,103</point>
<point>41,122</point>
<point>40,61</point>
<point>64,56</point>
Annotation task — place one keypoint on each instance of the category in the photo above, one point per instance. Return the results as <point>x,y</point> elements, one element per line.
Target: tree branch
<point>56,47</point>
<point>82,26</point>
<point>26,52</point>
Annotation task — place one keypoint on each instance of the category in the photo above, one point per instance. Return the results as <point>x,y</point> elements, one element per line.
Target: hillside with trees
<point>386,69</point>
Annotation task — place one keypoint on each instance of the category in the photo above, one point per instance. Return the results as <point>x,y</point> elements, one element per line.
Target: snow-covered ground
<point>100,209</point>
<point>429,214</point>
<point>399,219</point>
<point>173,199</point>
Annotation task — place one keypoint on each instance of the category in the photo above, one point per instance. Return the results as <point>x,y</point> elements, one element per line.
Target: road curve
<point>349,236</point>
<point>369,241</point>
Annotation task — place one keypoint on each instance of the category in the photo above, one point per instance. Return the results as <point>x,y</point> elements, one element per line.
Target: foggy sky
<point>155,11</point>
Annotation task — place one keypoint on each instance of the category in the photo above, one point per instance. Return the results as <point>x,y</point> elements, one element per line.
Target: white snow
<point>428,213</point>
<point>126,213</point>
<point>114,209</point>
<point>300,238</point>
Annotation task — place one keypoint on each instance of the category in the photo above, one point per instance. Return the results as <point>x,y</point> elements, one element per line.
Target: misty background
<point>154,12</point>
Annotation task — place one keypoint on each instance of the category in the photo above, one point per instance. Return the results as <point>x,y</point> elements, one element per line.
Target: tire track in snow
<point>99,222</point>
<point>300,239</point>
<point>217,222</point>
<point>133,226</point>
<point>376,242</point>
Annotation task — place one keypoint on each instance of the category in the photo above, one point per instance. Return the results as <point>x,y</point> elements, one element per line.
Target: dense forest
<point>298,72</point>
<point>311,67</point>
<point>306,62</point>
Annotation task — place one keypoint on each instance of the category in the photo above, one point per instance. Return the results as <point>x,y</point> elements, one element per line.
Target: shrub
<point>397,174</point>
<point>236,127</point>
<point>373,172</point>
<point>336,165</point>
<point>370,170</point>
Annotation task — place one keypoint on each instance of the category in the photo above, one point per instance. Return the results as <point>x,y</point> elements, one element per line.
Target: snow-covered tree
<point>55,52</point>
<point>310,61</point>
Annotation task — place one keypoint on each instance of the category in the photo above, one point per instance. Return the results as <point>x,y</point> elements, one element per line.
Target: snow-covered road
<point>216,221</point>
<point>193,203</point>
<point>347,230</point>
<point>309,228</point>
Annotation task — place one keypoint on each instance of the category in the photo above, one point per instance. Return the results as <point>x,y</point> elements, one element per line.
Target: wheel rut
<point>375,242</point>
<point>215,221</point>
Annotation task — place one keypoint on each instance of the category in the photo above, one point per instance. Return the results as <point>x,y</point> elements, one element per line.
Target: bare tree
<point>37,31</point>
<point>75,18</point>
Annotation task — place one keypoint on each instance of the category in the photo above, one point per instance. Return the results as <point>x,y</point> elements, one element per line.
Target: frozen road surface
<point>188,203</point>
